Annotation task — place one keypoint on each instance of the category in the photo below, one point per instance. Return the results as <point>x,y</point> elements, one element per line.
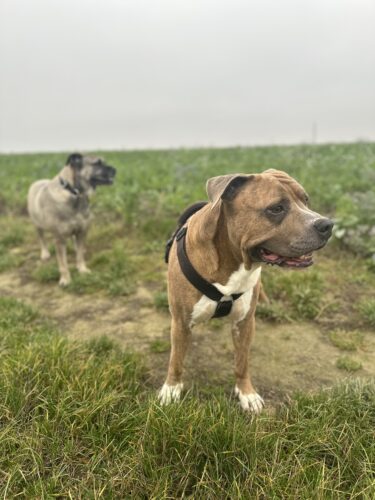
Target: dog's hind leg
<point>44,252</point>
<point>180,340</point>
<point>80,252</point>
<point>242,334</point>
<point>62,262</point>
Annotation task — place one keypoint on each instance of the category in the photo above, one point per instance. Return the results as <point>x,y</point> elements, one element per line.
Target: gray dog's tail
<point>186,214</point>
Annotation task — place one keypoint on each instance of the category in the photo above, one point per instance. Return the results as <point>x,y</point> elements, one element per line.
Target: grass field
<point>79,368</point>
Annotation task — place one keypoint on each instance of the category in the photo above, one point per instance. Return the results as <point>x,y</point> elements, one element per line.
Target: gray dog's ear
<point>75,160</point>
<point>225,187</point>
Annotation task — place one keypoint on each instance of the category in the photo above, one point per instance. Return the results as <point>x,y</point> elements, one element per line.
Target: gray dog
<point>61,206</point>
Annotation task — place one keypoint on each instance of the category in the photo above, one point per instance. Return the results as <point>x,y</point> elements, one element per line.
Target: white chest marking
<point>241,281</point>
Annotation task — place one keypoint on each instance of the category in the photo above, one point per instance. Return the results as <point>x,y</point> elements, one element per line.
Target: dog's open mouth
<point>104,180</point>
<point>101,181</point>
<point>280,260</point>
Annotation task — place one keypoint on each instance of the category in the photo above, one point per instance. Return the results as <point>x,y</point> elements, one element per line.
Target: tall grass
<point>79,421</point>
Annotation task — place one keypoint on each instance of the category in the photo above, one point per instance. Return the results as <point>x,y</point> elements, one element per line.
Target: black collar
<point>66,185</point>
<point>223,307</point>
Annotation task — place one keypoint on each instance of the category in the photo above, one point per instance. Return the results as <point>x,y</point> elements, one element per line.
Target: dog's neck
<point>213,255</point>
<point>69,182</point>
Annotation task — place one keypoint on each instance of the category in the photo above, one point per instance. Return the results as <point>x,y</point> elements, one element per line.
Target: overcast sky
<point>102,74</point>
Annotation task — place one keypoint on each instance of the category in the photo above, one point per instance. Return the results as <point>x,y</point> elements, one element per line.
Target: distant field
<point>153,187</point>
<point>80,367</point>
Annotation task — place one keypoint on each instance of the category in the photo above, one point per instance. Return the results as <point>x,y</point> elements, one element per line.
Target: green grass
<point>47,272</point>
<point>159,346</point>
<point>152,187</point>
<point>161,300</point>
<point>138,213</point>
<point>79,421</point>
<point>348,364</point>
<point>346,340</point>
<point>301,294</point>
<point>12,236</point>
<point>367,309</point>
<point>8,261</point>
<point>112,271</point>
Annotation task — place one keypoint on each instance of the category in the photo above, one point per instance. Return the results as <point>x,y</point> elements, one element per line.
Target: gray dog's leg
<point>44,252</point>
<point>80,252</point>
<point>62,262</point>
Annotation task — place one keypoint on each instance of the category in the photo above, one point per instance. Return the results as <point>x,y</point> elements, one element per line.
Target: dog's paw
<point>65,281</point>
<point>83,270</point>
<point>45,255</point>
<point>169,393</point>
<point>250,402</point>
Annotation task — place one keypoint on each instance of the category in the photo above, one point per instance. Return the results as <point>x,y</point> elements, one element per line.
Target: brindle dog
<point>61,207</point>
<point>249,220</point>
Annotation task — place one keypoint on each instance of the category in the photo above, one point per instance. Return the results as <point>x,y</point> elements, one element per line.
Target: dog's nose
<point>324,227</point>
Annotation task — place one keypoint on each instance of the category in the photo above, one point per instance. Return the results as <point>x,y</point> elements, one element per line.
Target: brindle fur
<point>221,236</point>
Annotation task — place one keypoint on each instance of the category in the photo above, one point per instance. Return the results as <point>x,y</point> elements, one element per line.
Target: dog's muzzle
<point>104,177</point>
<point>301,252</point>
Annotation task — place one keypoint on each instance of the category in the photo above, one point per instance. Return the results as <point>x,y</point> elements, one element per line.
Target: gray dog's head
<point>90,171</point>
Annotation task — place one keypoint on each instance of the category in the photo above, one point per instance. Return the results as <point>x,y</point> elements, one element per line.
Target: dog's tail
<point>186,214</point>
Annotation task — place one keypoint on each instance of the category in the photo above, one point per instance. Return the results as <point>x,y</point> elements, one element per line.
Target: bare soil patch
<point>284,358</point>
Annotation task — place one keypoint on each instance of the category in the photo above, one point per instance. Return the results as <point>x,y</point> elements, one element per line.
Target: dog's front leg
<point>80,252</point>
<point>62,262</point>
<point>180,341</point>
<point>44,252</point>
<point>242,333</point>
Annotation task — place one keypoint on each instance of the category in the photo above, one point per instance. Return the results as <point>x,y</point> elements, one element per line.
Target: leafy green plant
<point>299,294</point>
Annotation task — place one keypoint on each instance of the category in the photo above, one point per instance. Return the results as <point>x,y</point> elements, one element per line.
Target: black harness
<point>66,185</point>
<point>223,307</point>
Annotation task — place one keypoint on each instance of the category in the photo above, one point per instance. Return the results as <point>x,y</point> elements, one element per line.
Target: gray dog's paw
<point>65,281</point>
<point>45,255</point>
<point>84,270</point>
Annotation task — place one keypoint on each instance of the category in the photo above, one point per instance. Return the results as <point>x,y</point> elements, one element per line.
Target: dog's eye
<point>276,209</point>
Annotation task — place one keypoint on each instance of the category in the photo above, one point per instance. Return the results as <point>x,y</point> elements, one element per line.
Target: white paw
<point>169,393</point>
<point>83,270</point>
<point>250,402</point>
<point>45,255</point>
<point>64,281</point>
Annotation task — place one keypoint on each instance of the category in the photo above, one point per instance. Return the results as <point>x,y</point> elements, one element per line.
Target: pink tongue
<point>272,256</point>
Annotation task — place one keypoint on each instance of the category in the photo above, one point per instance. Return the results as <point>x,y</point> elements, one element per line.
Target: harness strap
<point>66,185</point>
<point>223,307</point>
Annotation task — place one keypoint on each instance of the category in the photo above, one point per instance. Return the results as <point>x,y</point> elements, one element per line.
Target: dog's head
<point>267,218</point>
<point>90,171</point>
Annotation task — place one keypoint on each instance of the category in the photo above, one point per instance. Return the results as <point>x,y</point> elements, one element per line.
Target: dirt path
<point>285,357</point>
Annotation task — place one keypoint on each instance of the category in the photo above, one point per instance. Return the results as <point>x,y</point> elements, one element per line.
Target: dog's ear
<point>75,160</point>
<point>225,187</point>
